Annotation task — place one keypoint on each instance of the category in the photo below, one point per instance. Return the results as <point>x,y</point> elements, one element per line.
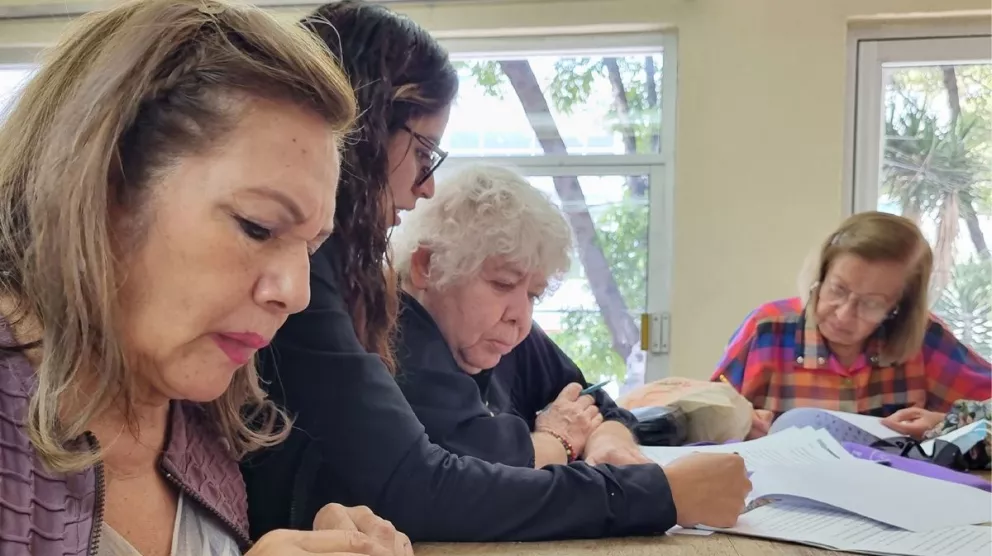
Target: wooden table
<point>669,545</point>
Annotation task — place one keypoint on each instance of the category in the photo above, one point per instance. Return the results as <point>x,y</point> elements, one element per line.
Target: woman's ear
<point>420,268</point>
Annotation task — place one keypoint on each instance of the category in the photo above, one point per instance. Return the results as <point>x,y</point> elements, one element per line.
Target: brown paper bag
<point>715,412</point>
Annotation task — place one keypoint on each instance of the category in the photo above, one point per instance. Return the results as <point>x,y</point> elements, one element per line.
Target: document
<point>887,495</point>
<point>791,446</point>
<point>825,527</point>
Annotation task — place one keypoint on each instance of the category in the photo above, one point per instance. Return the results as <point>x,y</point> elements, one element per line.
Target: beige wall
<point>759,152</point>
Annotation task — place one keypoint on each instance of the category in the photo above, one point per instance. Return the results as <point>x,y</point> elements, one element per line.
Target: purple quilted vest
<point>43,514</point>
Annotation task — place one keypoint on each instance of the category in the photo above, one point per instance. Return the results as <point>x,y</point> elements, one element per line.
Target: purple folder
<point>917,467</point>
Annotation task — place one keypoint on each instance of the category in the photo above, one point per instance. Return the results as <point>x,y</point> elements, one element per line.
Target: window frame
<point>658,167</point>
<point>868,51</point>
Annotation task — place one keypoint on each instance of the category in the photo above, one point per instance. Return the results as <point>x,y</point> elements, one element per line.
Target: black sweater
<point>356,441</point>
<point>489,415</point>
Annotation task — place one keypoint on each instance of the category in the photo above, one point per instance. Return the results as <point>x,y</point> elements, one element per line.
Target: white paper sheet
<point>835,529</point>
<point>888,495</point>
<point>791,446</point>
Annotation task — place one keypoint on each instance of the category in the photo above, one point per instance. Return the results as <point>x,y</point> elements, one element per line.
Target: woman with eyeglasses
<point>356,440</point>
<point>862,338</point>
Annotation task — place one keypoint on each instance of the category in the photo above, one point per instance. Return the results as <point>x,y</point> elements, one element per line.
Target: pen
<point>585,391</point>
<point>595,387</point>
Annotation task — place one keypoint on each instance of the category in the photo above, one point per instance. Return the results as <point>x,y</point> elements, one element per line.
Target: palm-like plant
<point>966,305</point>
<point>936,162</point>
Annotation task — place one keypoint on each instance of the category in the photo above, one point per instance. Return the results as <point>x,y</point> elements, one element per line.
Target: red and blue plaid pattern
<point>778,360</point>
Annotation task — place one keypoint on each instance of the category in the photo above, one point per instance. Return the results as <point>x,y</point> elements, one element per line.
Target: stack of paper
<point>805,523</point>
<point>890,496</point>
<point>808,489</point>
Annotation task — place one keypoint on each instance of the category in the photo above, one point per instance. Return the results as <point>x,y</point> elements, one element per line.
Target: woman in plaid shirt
<point>862,340</point>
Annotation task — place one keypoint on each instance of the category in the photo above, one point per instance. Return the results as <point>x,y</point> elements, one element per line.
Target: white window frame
<point>869,52</point>
<point>658,167</point>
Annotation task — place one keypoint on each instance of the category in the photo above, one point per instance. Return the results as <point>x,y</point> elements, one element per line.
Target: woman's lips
<point>239,347</point>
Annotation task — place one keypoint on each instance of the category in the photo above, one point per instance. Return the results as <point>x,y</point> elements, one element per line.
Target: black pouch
<point>945,454</point>
<point>660,426</point>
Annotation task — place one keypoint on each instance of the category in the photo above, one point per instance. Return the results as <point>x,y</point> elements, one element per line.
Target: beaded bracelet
<point>569,452</point>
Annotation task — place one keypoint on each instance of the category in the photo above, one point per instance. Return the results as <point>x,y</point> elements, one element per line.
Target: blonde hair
<point>882,237</point>
<point>484,211</point>
<point>127,92</point>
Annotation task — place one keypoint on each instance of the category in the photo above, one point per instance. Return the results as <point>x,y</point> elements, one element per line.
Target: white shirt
<point>195,533</point>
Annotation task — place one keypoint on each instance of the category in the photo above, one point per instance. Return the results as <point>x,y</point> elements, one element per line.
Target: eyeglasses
<point>867,308</point>
<point>437,155</point>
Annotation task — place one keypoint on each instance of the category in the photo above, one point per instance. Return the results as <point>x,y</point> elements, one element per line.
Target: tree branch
<point>601,281</point>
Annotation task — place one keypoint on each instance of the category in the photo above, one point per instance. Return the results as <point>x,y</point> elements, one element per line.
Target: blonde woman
<point>862,341</point>
<point>163,180</point>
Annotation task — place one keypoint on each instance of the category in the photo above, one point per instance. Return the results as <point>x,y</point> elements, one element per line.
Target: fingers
<point>316,542</point>
<point>571,392</point>
<point>905,414</point>
<point>759,426</point>
<point>332,542</point>
<point>591,412</point>
<point>402,545</point>
<point>334,516</point>
<point>585,401</point>
<point>380,530</point>
<point>764,416</point>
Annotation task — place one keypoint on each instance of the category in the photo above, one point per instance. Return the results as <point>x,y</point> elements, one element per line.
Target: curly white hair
<point>484,211</point>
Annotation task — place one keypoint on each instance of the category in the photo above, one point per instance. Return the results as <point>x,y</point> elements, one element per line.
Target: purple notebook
<point>917,467</point>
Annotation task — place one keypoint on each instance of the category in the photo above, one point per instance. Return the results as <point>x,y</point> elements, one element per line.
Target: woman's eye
<point>254,231</point>
<point>504,286</point>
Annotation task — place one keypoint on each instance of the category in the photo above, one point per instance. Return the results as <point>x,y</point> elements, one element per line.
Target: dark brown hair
<point>399,72</point>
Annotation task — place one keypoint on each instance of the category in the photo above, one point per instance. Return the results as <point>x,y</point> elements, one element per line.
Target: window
<point>923,149</point>
<point>12,80</point>
<point>589,127</point>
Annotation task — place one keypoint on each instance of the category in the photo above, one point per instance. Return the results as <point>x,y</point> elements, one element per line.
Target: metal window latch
<point>656,332</point>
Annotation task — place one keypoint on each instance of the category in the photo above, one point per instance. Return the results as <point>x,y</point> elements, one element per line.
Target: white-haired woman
<point>486,382</point>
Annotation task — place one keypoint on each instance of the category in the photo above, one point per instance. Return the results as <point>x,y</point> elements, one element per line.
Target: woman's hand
<point>362,520</point>
<point>338,531</point>
<point>913,421</point>
<point>708,489</point>
<point>286,542</point>
<point>614,444</point>
<point>761,421</point>
<point>571,416</point>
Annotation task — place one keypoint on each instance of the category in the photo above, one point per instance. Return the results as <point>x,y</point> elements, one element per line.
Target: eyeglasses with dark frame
<point>437,155</point>
<point>868,309</point>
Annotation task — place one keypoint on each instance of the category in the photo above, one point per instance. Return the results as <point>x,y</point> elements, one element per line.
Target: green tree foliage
<point>938,169</point>
<point>584,336</point>
<point>621,230</point>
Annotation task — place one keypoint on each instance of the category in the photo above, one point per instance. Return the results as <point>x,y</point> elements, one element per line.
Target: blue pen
<point>595,387</point>
<point>586,391</point>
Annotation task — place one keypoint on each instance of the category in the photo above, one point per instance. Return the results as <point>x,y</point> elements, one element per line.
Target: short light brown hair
<point>883,237</point>
<point>127,92</point>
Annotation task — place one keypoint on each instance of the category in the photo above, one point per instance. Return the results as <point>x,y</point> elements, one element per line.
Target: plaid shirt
<point>778,360</point>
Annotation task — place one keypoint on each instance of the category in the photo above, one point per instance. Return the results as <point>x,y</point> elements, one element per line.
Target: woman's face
<point>411,157</point>
<point>484,317</point>
<point>224,258</point>
<point>855,297</point>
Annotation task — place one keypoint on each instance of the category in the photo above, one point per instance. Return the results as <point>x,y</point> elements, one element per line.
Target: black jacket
<point>489,415</point>
<point>356,441</point>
